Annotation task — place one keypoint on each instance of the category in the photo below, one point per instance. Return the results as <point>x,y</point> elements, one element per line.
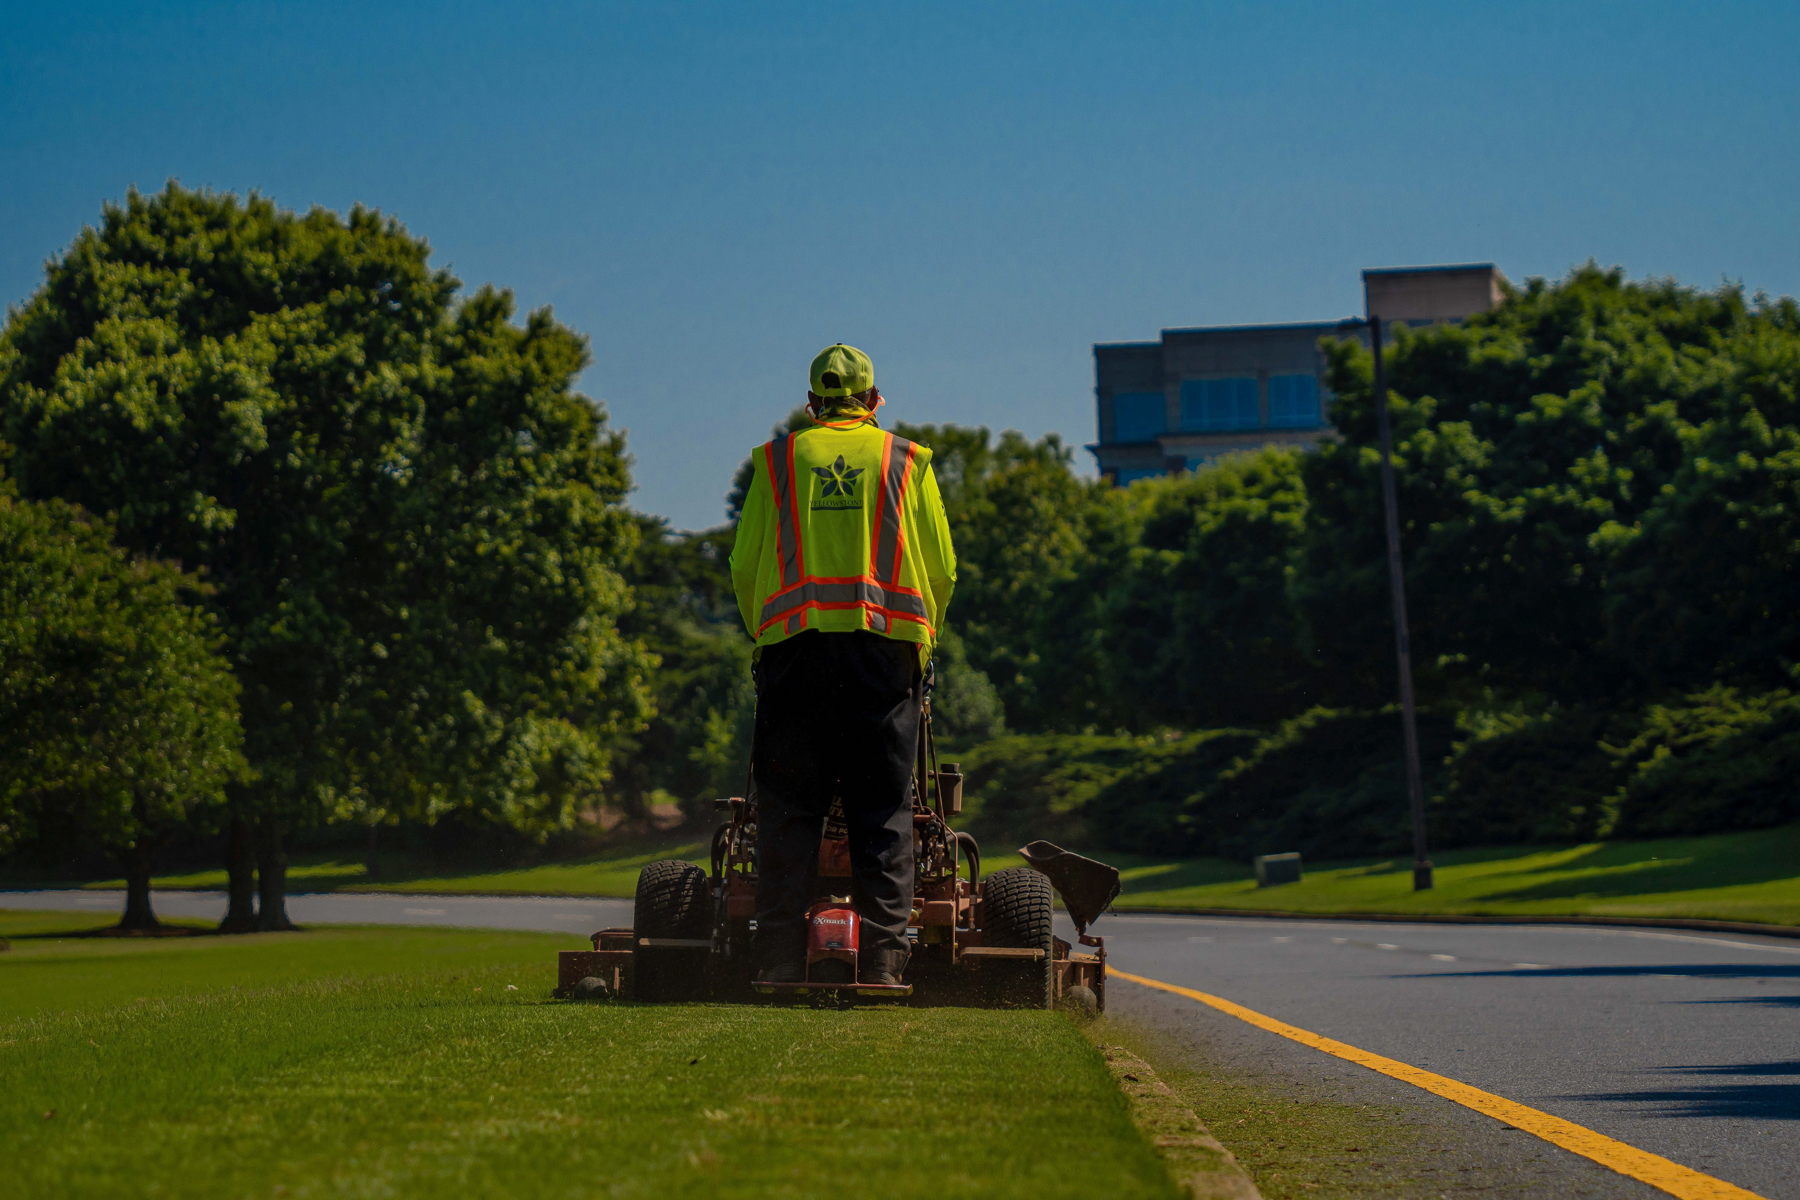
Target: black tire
<point>673,901</point>
<point>1017,906</point>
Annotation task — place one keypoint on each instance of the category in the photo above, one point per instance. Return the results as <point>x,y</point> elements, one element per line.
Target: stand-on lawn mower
<point>987,941</point>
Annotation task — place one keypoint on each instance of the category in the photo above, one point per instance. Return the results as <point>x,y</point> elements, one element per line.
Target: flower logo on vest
<point>839,479</point>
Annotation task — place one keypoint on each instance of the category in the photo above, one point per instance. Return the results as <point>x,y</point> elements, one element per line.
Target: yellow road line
<point>1652,1169</point>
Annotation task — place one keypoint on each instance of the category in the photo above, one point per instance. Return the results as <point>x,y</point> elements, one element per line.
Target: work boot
<point>786,972</point>
<point>886,966</point>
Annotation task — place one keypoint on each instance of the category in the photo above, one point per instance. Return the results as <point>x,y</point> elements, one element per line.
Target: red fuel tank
<point>832,931</point>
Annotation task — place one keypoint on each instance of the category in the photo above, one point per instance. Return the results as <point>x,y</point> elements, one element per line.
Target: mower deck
<point>871,991</point>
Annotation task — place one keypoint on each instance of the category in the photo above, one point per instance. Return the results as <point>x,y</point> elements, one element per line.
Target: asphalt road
<point>1683,1044</point>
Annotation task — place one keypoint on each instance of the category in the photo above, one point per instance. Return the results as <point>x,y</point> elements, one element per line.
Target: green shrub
<point>965,704</point>
<point>1022,788</point>
<point>1330,783</point>
<point>1721,761</point>
<point>1530,777</point>
<point>1141,811</point>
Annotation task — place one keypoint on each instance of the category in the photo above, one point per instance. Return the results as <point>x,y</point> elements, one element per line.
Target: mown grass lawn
<point>399,1063</point>
<point>1730,877</point>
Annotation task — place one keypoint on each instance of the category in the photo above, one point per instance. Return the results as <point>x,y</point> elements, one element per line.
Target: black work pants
<point>836,714</point>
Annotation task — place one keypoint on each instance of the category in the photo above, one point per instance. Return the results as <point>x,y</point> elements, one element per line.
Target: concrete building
<point>1196,394</point>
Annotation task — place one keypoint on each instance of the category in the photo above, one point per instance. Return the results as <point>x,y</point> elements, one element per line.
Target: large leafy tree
<point>1705,584</point>
<point>409,518</point>
<point>1519,438</point>
<point>118,712</point>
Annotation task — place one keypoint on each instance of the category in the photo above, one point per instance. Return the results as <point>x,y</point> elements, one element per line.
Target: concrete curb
<point>1203,1168</point>
<point>1780,931</point>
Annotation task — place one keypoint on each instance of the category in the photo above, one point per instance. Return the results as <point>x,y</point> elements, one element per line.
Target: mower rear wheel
<point>1017,906</point>
<point>673,901</point>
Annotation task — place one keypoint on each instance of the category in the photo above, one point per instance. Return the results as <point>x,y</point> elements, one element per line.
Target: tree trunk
<point>138,914</point>
<point>371,870</point>
<point>240,866</point>
<point>271,877</point>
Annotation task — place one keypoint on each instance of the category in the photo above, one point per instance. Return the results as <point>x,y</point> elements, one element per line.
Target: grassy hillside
<point>1725,877</point>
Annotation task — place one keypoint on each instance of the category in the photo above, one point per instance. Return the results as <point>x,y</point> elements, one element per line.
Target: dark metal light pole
<point>1415,786</point>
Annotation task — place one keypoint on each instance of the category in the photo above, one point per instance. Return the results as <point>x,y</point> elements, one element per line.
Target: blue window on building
<point>1293,401</point>
<point>1219,404</point>
<point>1139,416</point>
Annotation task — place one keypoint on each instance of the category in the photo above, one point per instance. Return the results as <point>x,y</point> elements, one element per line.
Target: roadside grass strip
<point>425,1063</point>
<point>1653,1169</point>
<point>1205,1169</point>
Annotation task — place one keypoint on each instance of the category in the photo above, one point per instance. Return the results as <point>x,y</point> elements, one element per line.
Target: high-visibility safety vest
<point>843,529</point>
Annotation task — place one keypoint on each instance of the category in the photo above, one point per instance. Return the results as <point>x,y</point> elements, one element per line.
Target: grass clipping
<point>1204,1169</point>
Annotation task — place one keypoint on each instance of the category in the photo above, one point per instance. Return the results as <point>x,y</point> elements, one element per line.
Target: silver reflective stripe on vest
<point>893,509</point>
<point>787,530</point>
<point>860,591</point>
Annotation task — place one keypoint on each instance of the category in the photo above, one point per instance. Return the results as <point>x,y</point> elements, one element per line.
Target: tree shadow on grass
<point>1139,873</point>
<point>1623,869</point>
<point>1147,873</point>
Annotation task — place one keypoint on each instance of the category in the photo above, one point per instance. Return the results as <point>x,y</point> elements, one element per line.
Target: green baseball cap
<point>841,370</point>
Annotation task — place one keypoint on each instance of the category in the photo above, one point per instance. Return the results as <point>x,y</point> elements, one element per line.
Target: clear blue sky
<point>973,193</point>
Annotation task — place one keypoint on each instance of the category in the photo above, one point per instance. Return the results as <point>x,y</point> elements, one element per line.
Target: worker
<point>843,570</point>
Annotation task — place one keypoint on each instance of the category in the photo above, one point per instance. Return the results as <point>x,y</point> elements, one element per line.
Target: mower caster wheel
<point>591,988</point>
<point>1081,1003</point>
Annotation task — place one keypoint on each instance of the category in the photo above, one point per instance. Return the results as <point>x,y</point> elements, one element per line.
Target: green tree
<point>1030,539</point>
<point>965,704</point>
<point>1195,629</point>
<point>1705,584</point>
<point>118,712</point>
<point>1519,437</point>
<point>697,746</point>
<point>411,520</point>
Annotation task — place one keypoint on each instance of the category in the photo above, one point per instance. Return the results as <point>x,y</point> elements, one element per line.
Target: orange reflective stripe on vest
<point>884,602</point>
